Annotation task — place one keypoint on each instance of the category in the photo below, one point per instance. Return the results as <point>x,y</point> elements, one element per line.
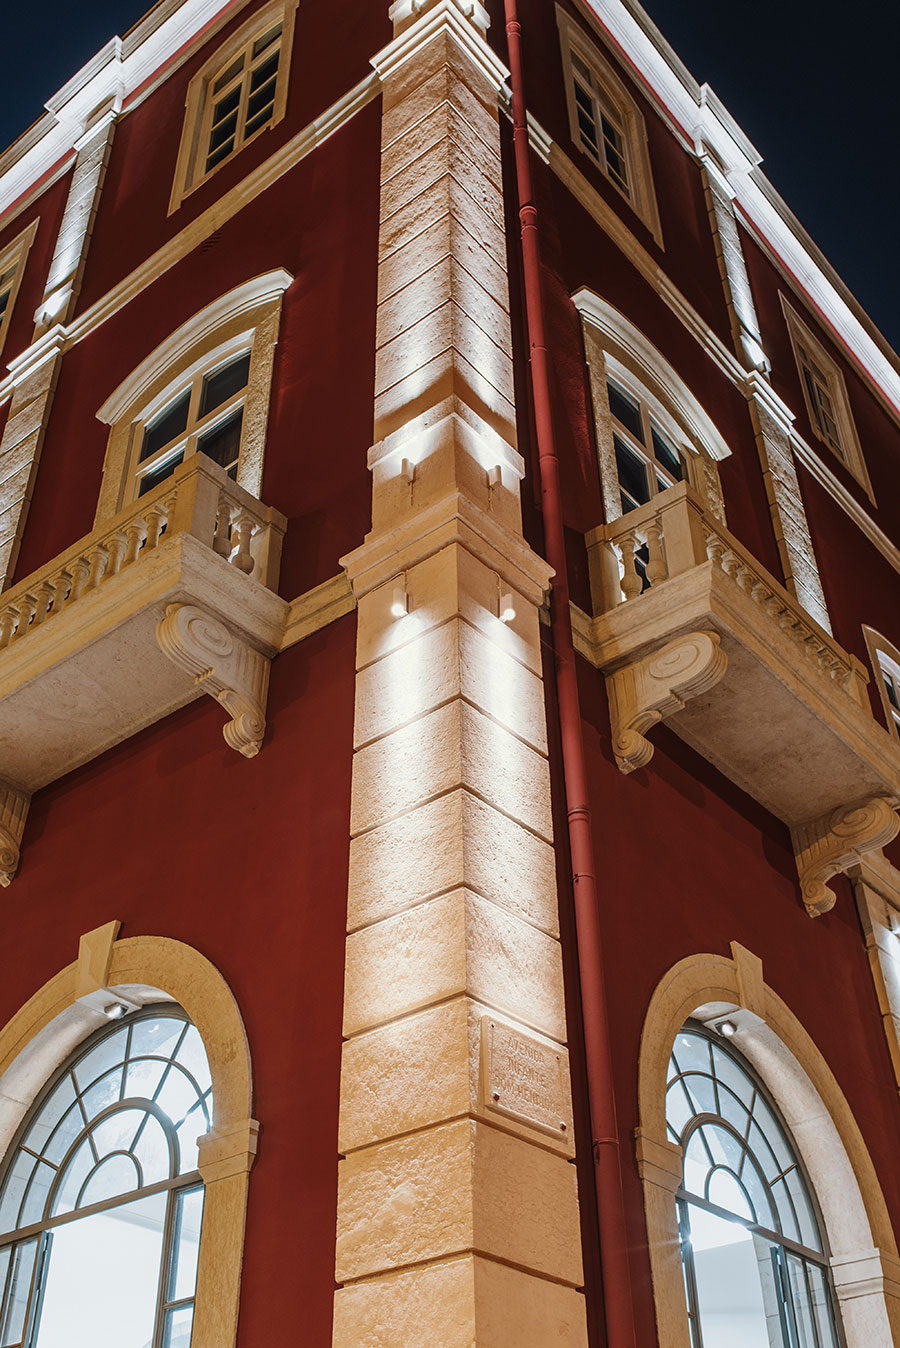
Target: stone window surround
<point>189,174</point>
<point>615,347</point>
<point>642,197</point>
<point>15,254</point>
<point>853,461</point>
<point>139,971</point>
<point>863,1251</point>
<point>883,655</point>
<point>246,317</point>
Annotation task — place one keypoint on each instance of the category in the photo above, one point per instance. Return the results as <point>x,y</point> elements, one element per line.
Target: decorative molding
<point>13,813</point>
<point>657,686</point>
<point>460,17</point>
<point>828,846</point>
<point>317,608</point>
<point>224,666</point>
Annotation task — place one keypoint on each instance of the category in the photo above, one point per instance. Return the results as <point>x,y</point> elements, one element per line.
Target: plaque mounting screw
<point>496,1095</point>
<point>562,1126</point>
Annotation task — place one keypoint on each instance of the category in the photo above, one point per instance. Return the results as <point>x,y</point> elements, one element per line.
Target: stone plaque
<point>524,1078</point>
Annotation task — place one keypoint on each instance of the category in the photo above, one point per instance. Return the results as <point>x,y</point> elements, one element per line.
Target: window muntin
<point>601,125</point>
<point>755,1266</point>
<point>241,98</point>
<point>12,267</point>
<point>647,462</point>
<point>206,416</point>
<point>101,1202</point>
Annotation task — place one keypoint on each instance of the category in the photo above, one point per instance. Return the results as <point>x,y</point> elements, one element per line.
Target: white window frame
<point>613,99</point>
<point>244,319</point>
<point>190,168</point>
<point>884,658</point>
<point>814,363</point>
<point>652,413</point>
<point>13,258</point>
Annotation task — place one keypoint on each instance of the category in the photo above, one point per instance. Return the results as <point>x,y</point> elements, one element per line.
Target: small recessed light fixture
<point>115,1010</point>
<point>506,609</point>
<point>727,1028</point>
<point>407,470</point>
<point>399,602</point>
<point>493,476</point>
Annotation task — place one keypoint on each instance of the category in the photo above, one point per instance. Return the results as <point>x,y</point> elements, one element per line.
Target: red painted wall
<point>176,835</point>
<point>47,209</point>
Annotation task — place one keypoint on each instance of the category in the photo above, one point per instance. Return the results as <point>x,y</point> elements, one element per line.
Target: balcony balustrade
<point>690,628</point>
<point>172,598</point>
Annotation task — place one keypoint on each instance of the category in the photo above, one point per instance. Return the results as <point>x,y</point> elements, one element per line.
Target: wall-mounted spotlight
<point>494,478</point>
<point>727,1028</point>
<point>506,608</point>
<point>407,470</point>
<point>115,1010</point>
<point>399,601</point>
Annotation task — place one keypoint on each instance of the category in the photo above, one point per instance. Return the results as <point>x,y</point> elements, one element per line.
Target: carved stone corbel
<point>13,813</point>
<point>656,686</point>
<point>224,666</point>
<point>827,846</point>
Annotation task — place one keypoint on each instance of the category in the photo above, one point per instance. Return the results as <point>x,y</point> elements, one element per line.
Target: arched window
<point>756,1269</point>
<point>101,1199</point>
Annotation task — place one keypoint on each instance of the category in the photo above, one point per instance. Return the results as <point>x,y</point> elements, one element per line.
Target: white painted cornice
<point>448,16</point>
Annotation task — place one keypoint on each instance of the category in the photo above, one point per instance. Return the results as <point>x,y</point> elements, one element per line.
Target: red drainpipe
<point>618,1307</point>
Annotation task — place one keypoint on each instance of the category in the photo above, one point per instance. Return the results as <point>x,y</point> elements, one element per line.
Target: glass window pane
<point>166,426</point>
<point>176,1095</point>
<point>98,1062</point>
<point>15,1307</point>
<point>178,1327</point>
<point>224,383</point>
<point>116,1175</point>
<point>228,75</point>
<point>821,1305</point>
<point>14,1191</point>
<point>266,41</point>
<point>261,117</point>
<point>159,1036</point>
<point>103,1278</point>
<point>107,1091</point>
<point>153,1152</point>
<point>223,443</point>
<point>666,456</point>
<point>226,105</point>
<point>186,1244</point>
<point>625,410</point>
<point>266,70</point>
<point>222,135</point>
<point>702,1091</point>
<point>65,1133</point>
<point>160,473</point>
<point>143,1078</point>
<point>42,1178</point>
<point>735,1286</point>
<point>632,473</point>
<point>76,1172</point>
<point>52,1110</point>
<point>192,1056</point>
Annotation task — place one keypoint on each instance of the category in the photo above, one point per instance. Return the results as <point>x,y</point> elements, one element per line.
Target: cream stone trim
<point>829,846</point>
<point>882,652</point>
<point>15,254</point>
<point>855,1216</point>
<point>247,316</point>
<point>643,693</point>
<point>318,607</point>
<point>642,199</point>
<point>801,335</point>
<point>189,174</point>
<point>876,885</point>
<point>141,970</point>
<point>14,805</point>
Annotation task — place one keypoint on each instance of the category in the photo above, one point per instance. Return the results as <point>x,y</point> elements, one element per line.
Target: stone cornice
<point>446,15</point>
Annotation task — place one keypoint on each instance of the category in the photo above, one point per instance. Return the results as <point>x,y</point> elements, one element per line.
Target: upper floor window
<point>12,266</point>
<point>647,461</point>
<point>204,390</point>
<point>206,417</point>
<point>756,1269</point>
<point>885,660</point>
<point>825,395</point>
<point>239,92</point>
<point>605,122</point>
<point>101,1201</point>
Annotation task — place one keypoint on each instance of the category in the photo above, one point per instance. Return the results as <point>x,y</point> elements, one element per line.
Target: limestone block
<point>431,1067</point>
<point>442,53</point>
<point>458,1303</point>
<point>447,279</point>
<point>455,660</point>
<point>448,375</point>
<point>444,197</point>
<point>444,123</point>
<point>450,583</point>
<point>449,1189</point>
<point>24,422</point>
<point>17,486</point>
<point>444,157</point>
<point>457,943</point>
<point>455,841</point>
<point>451,747</point>
<point>446,237</point>
<point>446,328</point>
<point>471,95</point>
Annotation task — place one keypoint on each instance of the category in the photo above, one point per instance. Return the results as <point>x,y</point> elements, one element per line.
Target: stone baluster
<point>135,533</point>
<point>80,570</point>
<point>44,598</point>
<point>96,567</point>
<point>656,566</point>
<point>715,549</point>
<point>631,582</point>
<point>62,583</point>
<point>245,528</point>
<point>157,517</point>
<point>7,626</point>
<point>115,547</point>
<point>222,541</point>
<point>27,606</point>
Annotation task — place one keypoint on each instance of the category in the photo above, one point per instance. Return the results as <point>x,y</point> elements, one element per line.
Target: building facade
<point>449,703</point>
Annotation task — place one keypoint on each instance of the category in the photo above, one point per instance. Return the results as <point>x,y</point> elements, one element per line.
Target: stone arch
<point>69,1007</point>
<point>864,1258</point>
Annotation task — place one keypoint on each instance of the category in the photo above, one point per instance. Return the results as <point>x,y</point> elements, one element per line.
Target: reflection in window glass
<point>89,1258</point>
<point>646,461</point>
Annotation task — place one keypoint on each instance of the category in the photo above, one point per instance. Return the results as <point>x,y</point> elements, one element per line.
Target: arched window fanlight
<point>755,1264</point>
<point>100,1199</point>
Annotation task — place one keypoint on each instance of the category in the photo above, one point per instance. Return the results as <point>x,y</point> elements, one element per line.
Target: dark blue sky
<point>819,98</point>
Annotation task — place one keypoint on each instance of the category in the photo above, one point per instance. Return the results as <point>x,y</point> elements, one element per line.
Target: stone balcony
<point>689,628</point>
<point>172,598</point>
